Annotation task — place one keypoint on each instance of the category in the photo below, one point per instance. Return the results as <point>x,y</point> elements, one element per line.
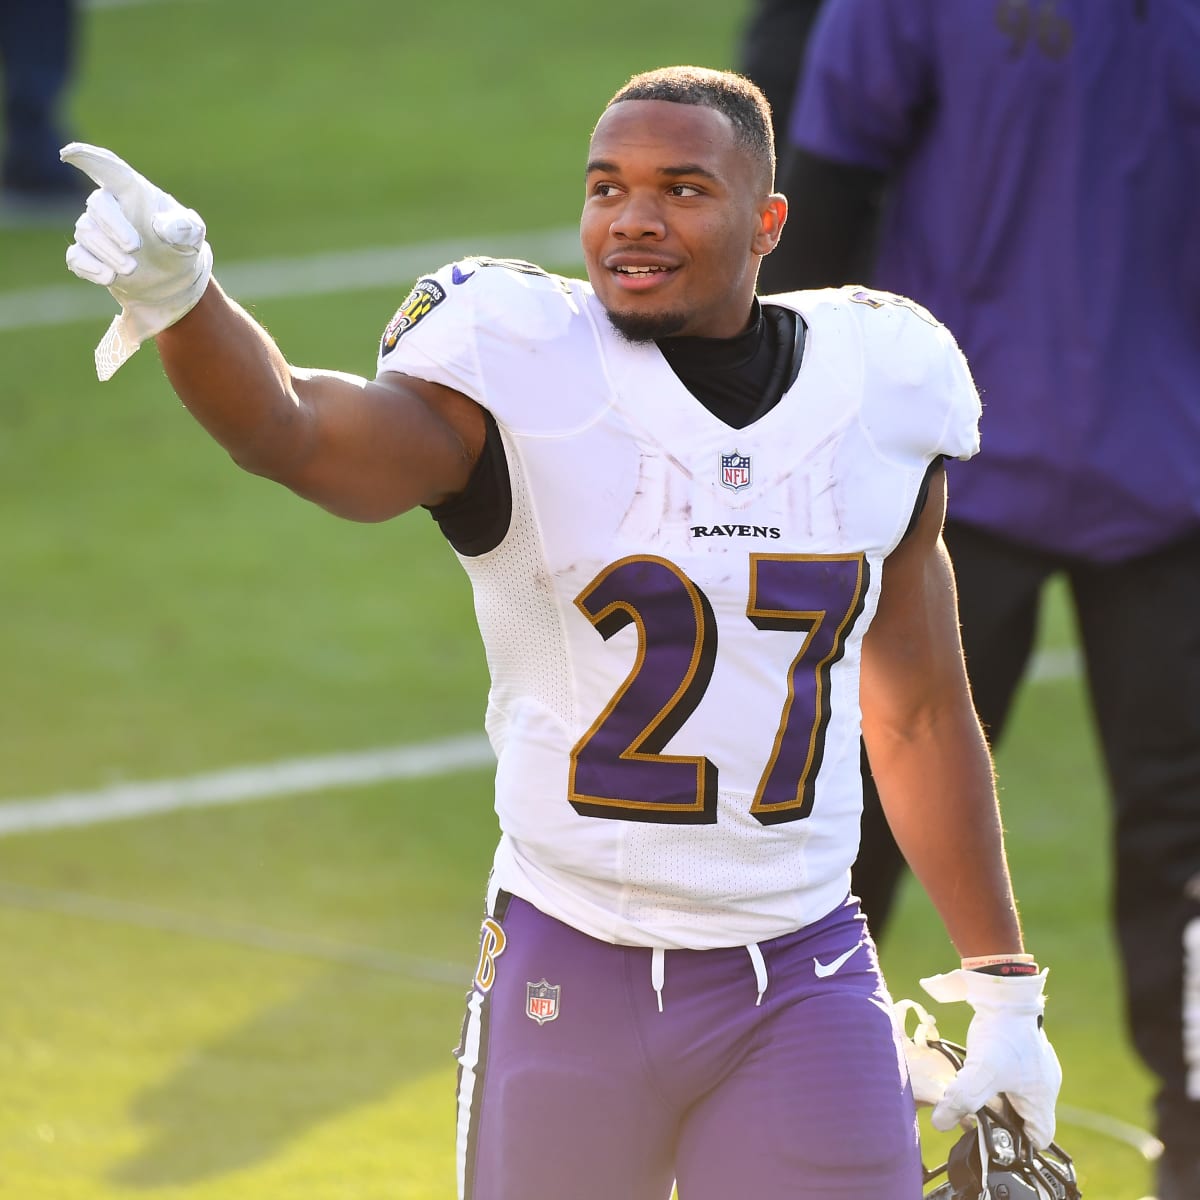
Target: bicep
<point>925,745</point>
<point>373,449</point>
<point>362,450</point>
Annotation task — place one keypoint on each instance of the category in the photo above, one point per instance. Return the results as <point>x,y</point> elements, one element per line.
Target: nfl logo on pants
<point>541,1001</point>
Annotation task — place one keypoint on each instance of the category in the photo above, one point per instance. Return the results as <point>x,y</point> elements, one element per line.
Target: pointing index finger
<point>104,167</point>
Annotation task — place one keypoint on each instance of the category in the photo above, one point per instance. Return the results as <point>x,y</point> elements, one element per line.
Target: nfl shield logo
<point>735,471</point>
<point>541,1001</point>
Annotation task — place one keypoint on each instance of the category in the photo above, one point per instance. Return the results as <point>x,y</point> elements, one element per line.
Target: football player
<point>703,534</point>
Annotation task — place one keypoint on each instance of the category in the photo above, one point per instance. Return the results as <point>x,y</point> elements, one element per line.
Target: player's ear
<point>772,217</point>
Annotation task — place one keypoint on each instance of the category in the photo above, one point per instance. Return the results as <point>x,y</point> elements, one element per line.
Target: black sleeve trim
<point>800,338</point>
<point>938,464</point>
<point>477,519</point>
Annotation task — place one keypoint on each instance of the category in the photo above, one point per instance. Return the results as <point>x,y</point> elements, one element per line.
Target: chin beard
<point>646,327</point>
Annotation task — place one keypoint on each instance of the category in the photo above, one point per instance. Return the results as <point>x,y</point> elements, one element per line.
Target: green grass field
<point>262,999</point>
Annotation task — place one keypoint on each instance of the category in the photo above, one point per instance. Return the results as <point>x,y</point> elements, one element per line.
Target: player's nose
<point>639,217</point>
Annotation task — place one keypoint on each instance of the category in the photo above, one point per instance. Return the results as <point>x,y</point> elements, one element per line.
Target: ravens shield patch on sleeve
<point>426,295</point>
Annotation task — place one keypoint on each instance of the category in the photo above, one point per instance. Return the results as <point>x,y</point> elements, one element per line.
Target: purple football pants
<point>575,1085</point>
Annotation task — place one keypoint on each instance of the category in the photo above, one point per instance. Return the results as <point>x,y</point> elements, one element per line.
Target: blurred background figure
<point>37,60</point>
<point>772,44</point>
<point>771,50</point>
<point>1033,165</point>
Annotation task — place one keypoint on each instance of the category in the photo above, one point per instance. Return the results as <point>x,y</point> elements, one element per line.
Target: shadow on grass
<point>346,1041</point>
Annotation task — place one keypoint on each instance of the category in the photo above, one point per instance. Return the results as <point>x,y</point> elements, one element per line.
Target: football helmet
<point>995,1160</point>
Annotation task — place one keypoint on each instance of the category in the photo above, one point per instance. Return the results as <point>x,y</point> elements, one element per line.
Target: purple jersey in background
<point>1082,324</point>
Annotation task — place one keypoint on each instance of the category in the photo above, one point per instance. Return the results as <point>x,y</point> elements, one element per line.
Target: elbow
<point>266,463</point>
<point>254,462</point>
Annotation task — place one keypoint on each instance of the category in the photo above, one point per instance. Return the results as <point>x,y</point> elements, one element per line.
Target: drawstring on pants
<point>658,971</point>
<point>760,970</point>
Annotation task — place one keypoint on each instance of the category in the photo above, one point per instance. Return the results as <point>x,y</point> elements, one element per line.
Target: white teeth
<point>639,270</point>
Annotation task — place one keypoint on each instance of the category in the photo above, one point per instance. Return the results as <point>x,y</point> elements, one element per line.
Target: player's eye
<point>683,190</point>
<point>604,190</point>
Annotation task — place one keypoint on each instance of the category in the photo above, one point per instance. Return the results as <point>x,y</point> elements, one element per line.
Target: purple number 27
<point>618,768</point>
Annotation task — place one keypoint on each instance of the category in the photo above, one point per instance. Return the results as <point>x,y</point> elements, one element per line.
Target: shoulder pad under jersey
<point>514,338</point>
<point>478,299</point>
<point>918,394</point>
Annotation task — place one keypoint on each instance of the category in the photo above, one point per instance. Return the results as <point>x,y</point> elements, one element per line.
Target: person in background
<point>1037,162</point>
<point>37,61</point>
<point>704,557</point>
<point>770,46</point>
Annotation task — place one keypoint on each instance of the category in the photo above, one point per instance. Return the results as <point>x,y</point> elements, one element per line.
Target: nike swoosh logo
<point>824,970</point>
<point>457,276</point>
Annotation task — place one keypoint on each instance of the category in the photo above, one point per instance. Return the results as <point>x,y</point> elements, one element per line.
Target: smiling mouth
<point>633,279</point>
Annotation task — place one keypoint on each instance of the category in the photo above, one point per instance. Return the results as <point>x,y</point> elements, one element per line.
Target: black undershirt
<point>740,379</point>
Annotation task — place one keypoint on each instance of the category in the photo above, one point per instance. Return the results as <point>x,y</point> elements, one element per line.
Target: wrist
<point>1004,965</point>
<point>982,990</point>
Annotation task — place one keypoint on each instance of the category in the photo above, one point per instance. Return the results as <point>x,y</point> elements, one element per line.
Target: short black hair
<point>739,98</point>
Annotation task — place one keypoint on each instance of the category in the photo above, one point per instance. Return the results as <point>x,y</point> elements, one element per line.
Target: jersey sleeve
<point>474,324</point>
<point>920,399</point>
<point>865,82</point>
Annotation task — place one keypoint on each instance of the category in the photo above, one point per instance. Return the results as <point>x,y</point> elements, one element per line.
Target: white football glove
<point>141,244</point>
<point>1007,1050</point>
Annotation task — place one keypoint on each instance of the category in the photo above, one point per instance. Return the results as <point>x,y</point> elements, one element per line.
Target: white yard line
<point>1144,1142</point>
<point>293,777</point>
<point>308,275</point>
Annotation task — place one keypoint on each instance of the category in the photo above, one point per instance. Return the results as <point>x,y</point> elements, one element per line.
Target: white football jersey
<point>673,621</point>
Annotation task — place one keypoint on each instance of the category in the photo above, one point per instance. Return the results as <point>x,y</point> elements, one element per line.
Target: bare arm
<point>363,450</point>
<point>926,747</point>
